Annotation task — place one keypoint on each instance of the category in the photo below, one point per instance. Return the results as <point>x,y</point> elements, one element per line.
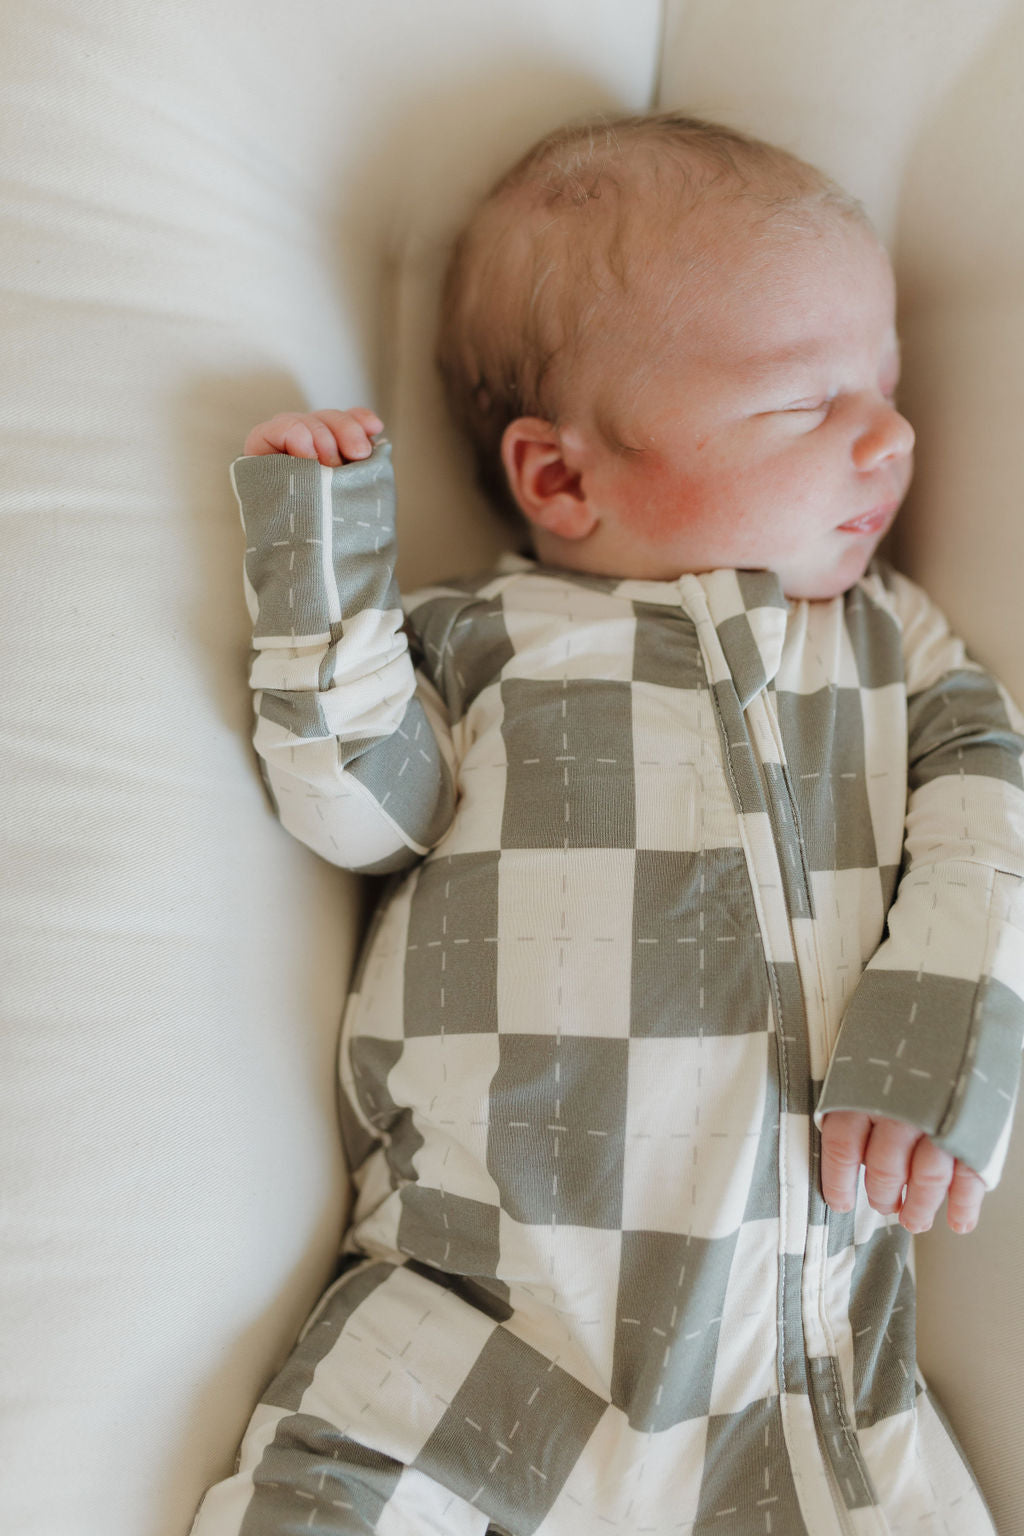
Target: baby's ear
<point>548,489</point>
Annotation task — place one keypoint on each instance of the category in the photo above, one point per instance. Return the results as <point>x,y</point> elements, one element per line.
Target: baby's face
<point>769,434</point>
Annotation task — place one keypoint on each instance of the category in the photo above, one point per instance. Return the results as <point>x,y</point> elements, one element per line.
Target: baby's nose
<point>886,435</point>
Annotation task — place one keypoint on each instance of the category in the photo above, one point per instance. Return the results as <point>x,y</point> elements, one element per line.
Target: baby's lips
<point>873,521</point>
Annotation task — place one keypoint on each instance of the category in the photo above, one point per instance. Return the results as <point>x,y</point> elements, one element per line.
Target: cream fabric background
<point>207,210</point>
<point>211,212</point>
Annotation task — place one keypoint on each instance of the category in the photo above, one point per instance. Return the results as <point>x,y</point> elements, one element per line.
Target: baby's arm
<point>923,1079</point>
<point>354,744</point>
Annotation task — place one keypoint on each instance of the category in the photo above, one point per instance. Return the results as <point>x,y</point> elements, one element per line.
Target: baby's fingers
<point>966,1193</point>
<point>928,1179</point>
<point>844,1134</point>
<point>286,433</point>
<point>887,1168</point>
<point>348,432</point>
<point>333,437</point>
<point>300,440</point>
<point>903,1171</point>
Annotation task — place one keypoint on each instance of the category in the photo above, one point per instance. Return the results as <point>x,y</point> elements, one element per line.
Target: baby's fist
<point>904,1171</point>
<point>333,437</point>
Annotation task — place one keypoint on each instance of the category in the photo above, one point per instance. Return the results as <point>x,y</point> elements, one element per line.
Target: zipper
<point>842,1513</point>
<point>800,879</point>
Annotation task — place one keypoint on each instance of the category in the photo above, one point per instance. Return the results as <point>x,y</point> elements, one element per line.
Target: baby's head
<point>673,348</point>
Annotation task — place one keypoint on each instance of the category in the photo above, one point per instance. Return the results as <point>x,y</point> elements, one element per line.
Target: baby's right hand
<point>333,437</point>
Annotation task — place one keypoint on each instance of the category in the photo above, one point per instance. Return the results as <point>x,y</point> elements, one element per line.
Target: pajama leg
<point>303,1478</point>
<point>331,1449</point>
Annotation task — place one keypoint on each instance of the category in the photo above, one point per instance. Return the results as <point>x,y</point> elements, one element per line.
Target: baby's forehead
<point>655,260</point>
<point>755,298</point>
<point>666,212</point>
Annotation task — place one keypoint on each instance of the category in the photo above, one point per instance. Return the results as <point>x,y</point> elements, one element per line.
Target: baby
<point>707,855</point>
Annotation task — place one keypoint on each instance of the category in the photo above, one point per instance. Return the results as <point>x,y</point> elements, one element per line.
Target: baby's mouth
<point>873,521</point>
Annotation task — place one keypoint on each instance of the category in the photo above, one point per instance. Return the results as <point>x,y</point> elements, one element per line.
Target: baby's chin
<point>821,586</point>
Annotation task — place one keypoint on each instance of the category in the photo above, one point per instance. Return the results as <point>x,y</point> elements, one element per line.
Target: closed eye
<point>811,405</point>
<point>803,414</point>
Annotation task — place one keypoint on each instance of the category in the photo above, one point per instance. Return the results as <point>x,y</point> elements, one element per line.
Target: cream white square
<point>683,800</point>
<point>884,712</point>
<point>627,1481</point>
<point>565,956</point>
<point>918,1472</point>
<point>796,1173</point>
<point>422,1504</point>
<point>849,900</point>
<point>693,1123</point>
<point>378,1007</point>
<point>938,923</point>
<point>563,1283</point>
<point>481,778</point>
<point>567,631</point>
<point>847,929</point>
<point>817,652</point>
<point>746,1366</point>
<point>373,1384</point>
<point>446,1079</point>
<point>1006,960</point>
<point>817,986</point>
<point>721,591</point>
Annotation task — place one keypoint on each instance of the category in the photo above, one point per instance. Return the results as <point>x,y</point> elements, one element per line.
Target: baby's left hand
<point>895,1155</point>
<point>333,437</point>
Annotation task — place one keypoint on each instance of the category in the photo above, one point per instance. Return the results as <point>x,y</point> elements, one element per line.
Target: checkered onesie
<point>658,901</point>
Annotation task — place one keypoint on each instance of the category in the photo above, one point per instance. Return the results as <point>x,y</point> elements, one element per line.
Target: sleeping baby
<point>697,984</point>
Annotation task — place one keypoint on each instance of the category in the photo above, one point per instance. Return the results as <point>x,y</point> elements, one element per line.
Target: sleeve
<point>933,1032</point>
<point>353,742</point>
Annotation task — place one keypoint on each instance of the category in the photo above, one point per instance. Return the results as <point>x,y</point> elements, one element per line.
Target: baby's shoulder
<point>896,594</point>
<point>928,647</point>
<point>458,634</point>
<point>883,583</point>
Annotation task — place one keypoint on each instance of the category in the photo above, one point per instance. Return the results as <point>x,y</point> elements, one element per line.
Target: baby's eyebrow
<point>786,357</point>
<point>770,367</point>
<point>807,354</point>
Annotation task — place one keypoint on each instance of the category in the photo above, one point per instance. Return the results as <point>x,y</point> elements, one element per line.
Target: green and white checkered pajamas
<point>659,901</point>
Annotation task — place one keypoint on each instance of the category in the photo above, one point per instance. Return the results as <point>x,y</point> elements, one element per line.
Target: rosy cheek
<point>658,505</point>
